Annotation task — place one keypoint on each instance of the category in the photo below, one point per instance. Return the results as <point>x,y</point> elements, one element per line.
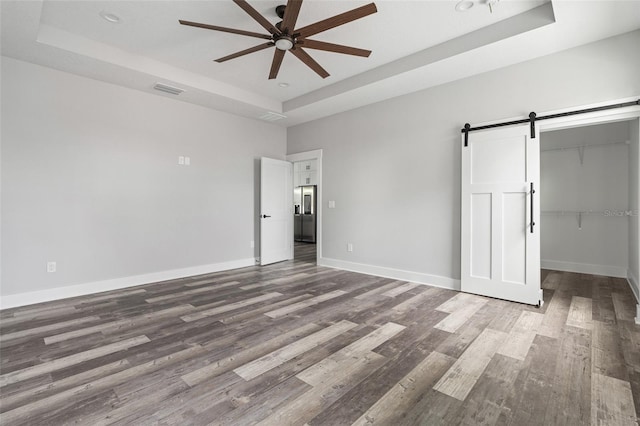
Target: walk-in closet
<point>586,176</point>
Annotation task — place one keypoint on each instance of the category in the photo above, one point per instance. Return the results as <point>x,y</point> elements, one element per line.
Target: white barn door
<point>501,215</point>
<point>276,210</point>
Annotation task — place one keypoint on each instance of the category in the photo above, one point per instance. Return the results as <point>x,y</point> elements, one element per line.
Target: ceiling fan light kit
<point>284,43</point>
<point>285,37</point>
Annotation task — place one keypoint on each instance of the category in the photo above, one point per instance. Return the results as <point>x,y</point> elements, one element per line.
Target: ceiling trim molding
<point>518,24</point>
<point>74,43</point>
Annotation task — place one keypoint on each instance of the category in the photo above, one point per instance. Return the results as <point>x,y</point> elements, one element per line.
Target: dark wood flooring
<point>294,343</point>
<point>304,252</point>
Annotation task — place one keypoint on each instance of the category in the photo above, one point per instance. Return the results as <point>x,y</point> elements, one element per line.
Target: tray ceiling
<point>415,44</point>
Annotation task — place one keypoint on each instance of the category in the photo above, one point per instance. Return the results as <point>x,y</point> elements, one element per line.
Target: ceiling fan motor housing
<point>280,11</point>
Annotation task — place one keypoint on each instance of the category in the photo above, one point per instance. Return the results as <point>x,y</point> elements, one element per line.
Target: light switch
<point>181,160</point>
<point>332,204</point>
<point>187,161</point>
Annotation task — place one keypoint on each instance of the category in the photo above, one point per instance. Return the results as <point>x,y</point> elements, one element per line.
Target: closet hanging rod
<point>583,146</point>
<point>580,214</point>
<point>533,118</point>
<point>607,213</point>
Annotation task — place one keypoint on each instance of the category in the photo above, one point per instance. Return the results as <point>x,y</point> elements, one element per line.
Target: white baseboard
<point>635,287</point>
<point>29,298</point>
<point>396,274</point>
<point>633,283</point>
<point>585,268</point>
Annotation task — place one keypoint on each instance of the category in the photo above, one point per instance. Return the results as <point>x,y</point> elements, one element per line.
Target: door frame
<point>314,155</point>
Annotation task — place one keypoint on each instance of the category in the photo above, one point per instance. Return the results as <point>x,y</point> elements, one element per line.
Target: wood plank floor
<point>295,344</point>
<point>305,252</point>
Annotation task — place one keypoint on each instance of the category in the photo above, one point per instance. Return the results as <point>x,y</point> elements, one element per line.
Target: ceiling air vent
<point>168,89</point>
<point>272,116</point>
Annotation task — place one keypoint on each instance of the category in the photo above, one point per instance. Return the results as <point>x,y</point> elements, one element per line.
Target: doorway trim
<point>314,155</point>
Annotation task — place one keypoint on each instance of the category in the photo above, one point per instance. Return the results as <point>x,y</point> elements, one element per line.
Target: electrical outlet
<point>349,246</point>
<point>51,266</point>
<point>332,204</point>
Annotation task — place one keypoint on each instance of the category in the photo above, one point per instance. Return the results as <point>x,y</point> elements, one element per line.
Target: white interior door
<point>276,210</point>
<point>501,215</point>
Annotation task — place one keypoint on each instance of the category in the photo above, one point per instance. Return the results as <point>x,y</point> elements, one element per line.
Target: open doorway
<point>589,181</point>
<point>585,185</point>
<point>307,205</point>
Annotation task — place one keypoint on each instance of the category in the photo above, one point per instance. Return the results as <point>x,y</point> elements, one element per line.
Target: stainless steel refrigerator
<point>304,218</point>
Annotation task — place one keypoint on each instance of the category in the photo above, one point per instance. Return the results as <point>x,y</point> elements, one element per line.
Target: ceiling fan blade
<point>290,16</point>
<point>224,29</point>
<point>245,52</point>
<point>275,65</point>
<point>257,17</point>
<point>330,47</point>
<point>337,20</point>
<point>309,61</point>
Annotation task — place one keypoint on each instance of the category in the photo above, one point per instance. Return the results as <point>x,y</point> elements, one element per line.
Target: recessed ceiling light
<point>283,84</point>
<point>464,5</point>
<point>115,19</point>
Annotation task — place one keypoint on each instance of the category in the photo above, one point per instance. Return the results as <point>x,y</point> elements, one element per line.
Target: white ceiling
<point>415,44</point>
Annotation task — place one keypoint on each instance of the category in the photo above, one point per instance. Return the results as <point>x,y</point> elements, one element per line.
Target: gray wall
<point>634,206</point>
<point>90,180</point>
<point>393,168</point>
<point>600,183</point>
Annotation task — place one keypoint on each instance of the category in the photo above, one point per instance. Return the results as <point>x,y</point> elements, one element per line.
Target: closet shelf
<point>581,148</point>
<point>580,214</point>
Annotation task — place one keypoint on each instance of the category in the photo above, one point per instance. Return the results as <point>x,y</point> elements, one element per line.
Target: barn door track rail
<point>533,118</point>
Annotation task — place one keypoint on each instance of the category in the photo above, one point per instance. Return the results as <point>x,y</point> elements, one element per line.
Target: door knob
<point>264,216</point>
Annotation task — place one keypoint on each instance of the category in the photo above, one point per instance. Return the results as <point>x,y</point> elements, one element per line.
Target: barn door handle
<point>533,191</point>
<point>264,216</point>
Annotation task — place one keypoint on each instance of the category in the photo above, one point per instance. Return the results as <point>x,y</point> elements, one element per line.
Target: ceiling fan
<point>285,37</point>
